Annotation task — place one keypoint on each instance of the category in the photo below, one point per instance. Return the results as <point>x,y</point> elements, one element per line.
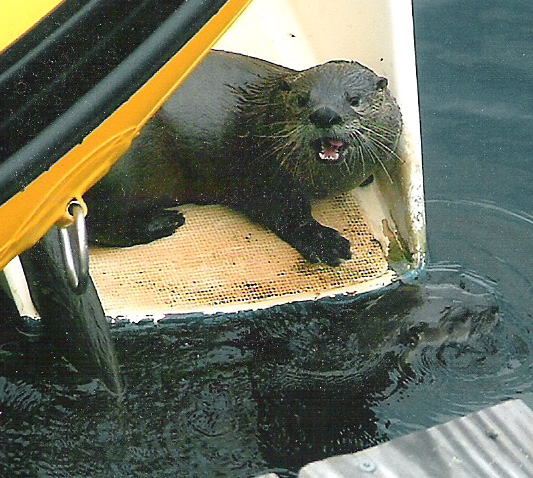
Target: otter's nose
<point>324,117</point>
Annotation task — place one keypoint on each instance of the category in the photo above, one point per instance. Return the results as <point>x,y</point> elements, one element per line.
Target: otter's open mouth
<point>329,150</point>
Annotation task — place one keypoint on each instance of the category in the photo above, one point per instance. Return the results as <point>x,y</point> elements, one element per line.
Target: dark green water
<point>244,395</point>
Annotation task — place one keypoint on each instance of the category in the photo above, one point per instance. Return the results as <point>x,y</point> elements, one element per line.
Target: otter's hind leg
<point>139,224</point>
<point>135,202</point>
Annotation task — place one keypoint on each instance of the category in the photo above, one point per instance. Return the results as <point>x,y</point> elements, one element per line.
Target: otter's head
<point>331,125</point>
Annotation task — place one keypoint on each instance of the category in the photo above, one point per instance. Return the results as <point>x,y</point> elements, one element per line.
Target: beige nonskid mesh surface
<point>220,261</point>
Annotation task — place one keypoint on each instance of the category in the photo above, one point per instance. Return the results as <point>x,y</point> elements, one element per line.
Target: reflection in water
<point>317,381</point>
<point>250,392</point>
<point>460,378</point>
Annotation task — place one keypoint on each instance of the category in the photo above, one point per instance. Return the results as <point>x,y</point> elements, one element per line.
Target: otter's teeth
<point>330,151</point>
<point>329,157</point>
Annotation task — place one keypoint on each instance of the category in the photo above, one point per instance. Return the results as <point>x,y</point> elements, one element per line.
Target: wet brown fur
<point>246,133</point>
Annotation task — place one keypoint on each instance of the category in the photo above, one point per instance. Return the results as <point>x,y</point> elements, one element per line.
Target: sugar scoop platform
<point>220,261</point>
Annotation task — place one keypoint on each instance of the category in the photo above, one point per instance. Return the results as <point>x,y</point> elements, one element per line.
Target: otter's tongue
<point>330,150</point>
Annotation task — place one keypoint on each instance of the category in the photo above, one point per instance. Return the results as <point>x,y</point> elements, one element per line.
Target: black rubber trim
<point>75,68</point>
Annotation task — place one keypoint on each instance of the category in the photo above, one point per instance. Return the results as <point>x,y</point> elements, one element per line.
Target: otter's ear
<point>382,83</point>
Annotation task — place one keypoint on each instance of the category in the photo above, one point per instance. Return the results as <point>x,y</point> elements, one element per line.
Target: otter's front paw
<point>318,243</point>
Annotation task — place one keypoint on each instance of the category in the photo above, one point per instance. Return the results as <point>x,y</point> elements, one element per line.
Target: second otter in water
<point>258,137</point>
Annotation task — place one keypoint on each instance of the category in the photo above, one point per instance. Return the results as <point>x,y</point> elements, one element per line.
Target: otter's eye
<point>302,100</point>
<point>382,83</point>
<point>354,100</point>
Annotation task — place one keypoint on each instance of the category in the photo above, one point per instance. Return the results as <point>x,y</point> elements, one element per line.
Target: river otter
<point>258,137</point>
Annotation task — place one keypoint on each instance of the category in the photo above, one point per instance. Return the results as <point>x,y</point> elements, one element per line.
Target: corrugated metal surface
<point>493,443</point>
